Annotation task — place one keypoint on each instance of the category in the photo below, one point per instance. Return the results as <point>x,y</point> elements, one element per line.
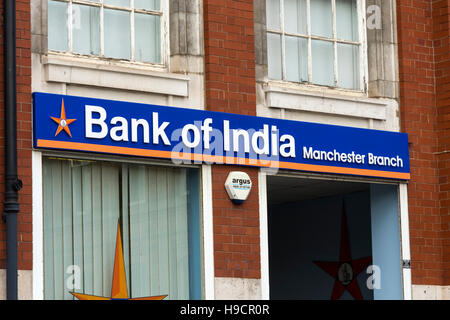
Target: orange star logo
<point>119,286</point>
<point>63,123</point>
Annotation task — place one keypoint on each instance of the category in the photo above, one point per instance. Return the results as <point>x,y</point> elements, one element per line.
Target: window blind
<point>84,201</point>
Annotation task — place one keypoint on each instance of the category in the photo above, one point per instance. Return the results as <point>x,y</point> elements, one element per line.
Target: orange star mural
<point>63,123</point>
<point>119,284</point>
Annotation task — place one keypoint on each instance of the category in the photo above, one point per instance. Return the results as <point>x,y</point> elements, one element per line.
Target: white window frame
<point>362,43</point>
<point>163,13</point>
<point>206,215</point>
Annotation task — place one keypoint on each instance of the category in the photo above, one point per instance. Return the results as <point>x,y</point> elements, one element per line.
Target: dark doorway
<point>322,243</point>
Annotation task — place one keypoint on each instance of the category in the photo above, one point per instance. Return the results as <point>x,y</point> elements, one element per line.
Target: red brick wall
<point>230,87</point>
<point>230,56</point>
<point>236,228</point>
<point>441,36</point>
<point>423,66</point>
<point>24,136</point>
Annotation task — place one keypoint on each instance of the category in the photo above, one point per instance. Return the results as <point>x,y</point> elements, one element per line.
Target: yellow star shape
<point>63,123</point>
<point>119,286</point>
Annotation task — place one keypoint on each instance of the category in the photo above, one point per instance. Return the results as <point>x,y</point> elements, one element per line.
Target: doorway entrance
<point>332,239</point>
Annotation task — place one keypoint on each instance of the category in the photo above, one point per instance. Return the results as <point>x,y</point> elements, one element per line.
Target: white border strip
<point>264,235</point>
<point>406,253</point>
<point>208,232</point>
<point>38,258</point>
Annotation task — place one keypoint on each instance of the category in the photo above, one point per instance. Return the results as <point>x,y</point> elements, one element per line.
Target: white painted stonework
<point>328,106</point>
<point>331,104</point>
<point>25,285</point>
<point>237,289</point>
<point>425,292</point>
<point>122,81</point>
<point>97,73</point>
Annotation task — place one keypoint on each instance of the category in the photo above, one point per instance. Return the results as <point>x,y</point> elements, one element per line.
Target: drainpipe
<point>12,183</point>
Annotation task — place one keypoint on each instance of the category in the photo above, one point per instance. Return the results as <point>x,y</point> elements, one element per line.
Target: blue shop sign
<point>64,122</point>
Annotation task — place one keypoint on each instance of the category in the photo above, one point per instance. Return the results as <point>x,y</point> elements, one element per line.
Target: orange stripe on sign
<point>219,159</point>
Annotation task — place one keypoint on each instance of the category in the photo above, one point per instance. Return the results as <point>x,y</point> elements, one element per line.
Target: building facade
<point>343,222</point>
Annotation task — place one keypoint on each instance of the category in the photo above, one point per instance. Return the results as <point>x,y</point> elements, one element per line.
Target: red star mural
<point>346,270</point>
<point>63,123</point>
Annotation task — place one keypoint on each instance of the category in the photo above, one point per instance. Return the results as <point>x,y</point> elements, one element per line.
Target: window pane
<point>274,56</point>
<point>117,34</point>
<point>122,3</point>
<point>348,66</point>
<point>295,16</point>
<point>147,38</point>
<point>273,14</point>
<point>322,62</point>
<point>81,209</point>
<point>147,4</point>
<point>321,18</point>
<point>159,232</point>
<point>157,210</point>
<point>86,29</point>
<point>346,20</point>
<point>296,59</point>
<point>57,26</point>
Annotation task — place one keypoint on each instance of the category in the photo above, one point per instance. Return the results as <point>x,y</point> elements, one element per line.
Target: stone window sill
<point>77,70</point>
<point>350,104</point>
